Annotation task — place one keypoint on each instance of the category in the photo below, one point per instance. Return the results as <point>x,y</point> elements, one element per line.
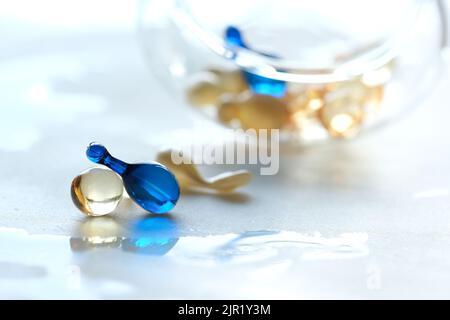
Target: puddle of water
<point>149,259</point>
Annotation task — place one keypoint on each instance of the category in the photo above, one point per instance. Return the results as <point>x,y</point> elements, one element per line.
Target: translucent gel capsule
<point>228,109</point>
<point>342,116</point>
<point>151,185</point>
<point>374,98</point>
<point>256,112</point>
<point>310,99</point>
<point>205,90</point>
<point>304,106</point>
<point>207,87</point>
<point>97,191</point>
<point>190,177</point>
<point>258,84</point>
<point>353,90</point>
<point>230,81</point>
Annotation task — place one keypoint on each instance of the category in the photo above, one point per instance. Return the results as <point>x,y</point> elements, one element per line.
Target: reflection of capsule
<point>97,191</point>
<point>154,235</point>
<point>342,117</point>
<point>101,232</point>
<point>82,244</point>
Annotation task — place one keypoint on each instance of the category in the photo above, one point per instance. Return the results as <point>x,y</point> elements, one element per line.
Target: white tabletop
<point>362,219</point>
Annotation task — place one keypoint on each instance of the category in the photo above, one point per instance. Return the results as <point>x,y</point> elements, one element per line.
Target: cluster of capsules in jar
<point>249,101</point>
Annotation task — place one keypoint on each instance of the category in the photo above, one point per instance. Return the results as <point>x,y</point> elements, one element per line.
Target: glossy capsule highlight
<point>96,191</point>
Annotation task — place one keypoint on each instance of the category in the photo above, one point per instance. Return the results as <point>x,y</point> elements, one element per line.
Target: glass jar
<point>313,69</point>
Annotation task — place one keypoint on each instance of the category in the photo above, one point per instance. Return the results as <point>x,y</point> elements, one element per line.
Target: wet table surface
<point>362,219</point>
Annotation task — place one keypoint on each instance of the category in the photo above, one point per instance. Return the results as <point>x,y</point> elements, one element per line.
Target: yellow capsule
<point>304,106</point>
<point>352,89</point>
<point>379,76</point>
<point>262,112</point>
<point>102,232</point>
<point>374,97</point>
<point>230,81</point>
<point>342,116</point>
<point>228,109</point>
<point>256,111</point>
<point>205,91</point>
<point>357,90</point>
<point>309,100</point>
<point>97,191</point>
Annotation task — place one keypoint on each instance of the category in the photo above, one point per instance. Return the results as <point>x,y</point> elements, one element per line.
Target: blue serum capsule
<point>151,185</point>
<point>258,84</point>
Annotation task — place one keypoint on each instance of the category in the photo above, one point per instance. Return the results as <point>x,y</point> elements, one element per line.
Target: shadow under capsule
<point>97,232</point>
<point>152,235</point>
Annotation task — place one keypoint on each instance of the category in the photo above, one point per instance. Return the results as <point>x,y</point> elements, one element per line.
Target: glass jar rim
<point>370,58</point>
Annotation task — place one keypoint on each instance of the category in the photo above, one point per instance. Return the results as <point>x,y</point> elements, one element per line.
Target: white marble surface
<point>368,218</point>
